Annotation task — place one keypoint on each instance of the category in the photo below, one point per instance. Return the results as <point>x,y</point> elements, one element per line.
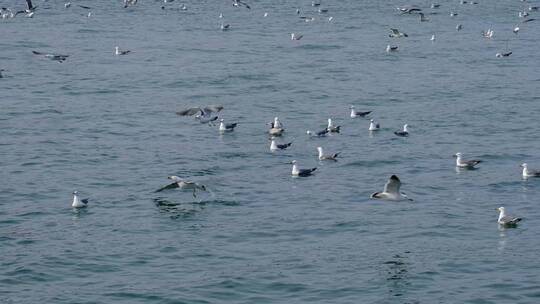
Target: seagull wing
<point>84,201</point>
<point>85,7</point>
<point>190,111</point>
<point>509,220</point>
<point>30,6</point>
<point>392,185</point>
<point>169,186</point>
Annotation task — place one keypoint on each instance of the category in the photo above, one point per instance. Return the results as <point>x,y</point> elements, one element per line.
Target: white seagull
<point>301,172</point>
<point>373,126</point>
<point>529,172</point>
<point>223,127</point>
<point>77,202</point>
<point>183,184</point>
<point>323,156</point>
<point>117,51</point>
<point>506,220</point>
<point>295,36</point>
<point>468,164</point>
<point>275,146</point>
<point>355,114</point>
<point>404,132</point>
<point>391,191</point>
<point>332,128</point>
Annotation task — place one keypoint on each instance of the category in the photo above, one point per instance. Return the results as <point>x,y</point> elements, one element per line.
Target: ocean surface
<point>106,126</point>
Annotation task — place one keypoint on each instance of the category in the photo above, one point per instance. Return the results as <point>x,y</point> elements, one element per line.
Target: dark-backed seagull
<point>468,164</point>
<point>355,114</point>
<point>529,172</point>
<point>373,126</point>
<point>323,156</point>
<point>506,220</point>
<point>275,146</point>
<point>117,51</point>
<point>332,128</point>
<point>404,132</point>
<point>301,172</point>
<point>55,57</point>
<point>223,127</point>
<point>77,202</point>
<point>395,33</point>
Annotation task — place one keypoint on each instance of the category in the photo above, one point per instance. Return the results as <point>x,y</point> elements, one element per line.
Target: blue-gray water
<point>105,125</point>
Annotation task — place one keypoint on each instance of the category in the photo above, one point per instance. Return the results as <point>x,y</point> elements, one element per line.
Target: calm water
<point>105,125</point>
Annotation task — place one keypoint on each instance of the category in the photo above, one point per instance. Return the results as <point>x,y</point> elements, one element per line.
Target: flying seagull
<point>77,202</point>
<point>506,220</point>
<point>301,172</point>
<point>395,33</point>
<point>529,172</point>
<point>274,146</point>
<point>55,57</point>
<point>468,164</point>
<point>323,156</point>
<point>404,132</point>
<point>355,114</point>
<point>391,191</point>
<point>183,184</point>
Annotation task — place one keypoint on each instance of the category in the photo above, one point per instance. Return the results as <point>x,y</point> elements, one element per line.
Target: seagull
<point>391,48</point>
<point>408,10</point>
<point>404,132</point>
<point>330,19</point>
<point>223,127</point>
<point>397,34</point>
<point>487,34</point>
<point>220,15</point>
<point>66,5</point>
<point>391,191</point>
<point>274,146</point>
<point>322,133</point>
<point>373,126</point>
<point>203,112</point>
<point>459,27</point>
<point>323,11</point>
<point>29,11</point>
<point>529,172</point>
<point>129,2</point>
<point>276,128</point>
<point>323,156</point>
<point>1,70</point>
<point>432,38</point>
<point>453,14</point>
<point>423,18</point>
<point>313,3</point>
<point>184,7</point>
<point>225,27</point>
<point>331,127</point>
<point>435,5</point>
<point>506,220</point>
<point>506,54</point>
<point>523,14</point>
<point>265,14</point>
<point>295,36</point>
<point>469,164</point>
<point>77,202</point>
<point>117,51</point>
<point>55,57</point>
<point>355,114</point>
<point>301,172</point>
<point>516,29</point>
<point>183,184</point>
<point>237,3</point>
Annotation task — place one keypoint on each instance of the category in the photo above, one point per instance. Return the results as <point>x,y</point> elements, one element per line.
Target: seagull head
<point>371,120</point>
<point>500,209</point>
<point>352,107</point>
<point>308,132</point>
<point>458,155</point>
<point>75,192</point>
<point>221,120</point>
<point>319,149</point>
<point>293,162</point>
<point>524,165</point>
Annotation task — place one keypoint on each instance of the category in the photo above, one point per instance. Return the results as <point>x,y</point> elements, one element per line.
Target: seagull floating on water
<point>432,38</point>
<point>391,191</point>
<point>55,57</point>
<point>404,132</point>
<point>487,34</point>
<point>301,172</point>
<point>183,185</point>
<point>408,10</point>
<point>276,128</point>
<point>355,114</point>
<point>391,48</point>
<point>322,133</point>
<point>373,126</point>
<point>117,51</point>
<point>395,33</point>
<point>506,220</point>
<point>223,127</point>
<point>295,36</point>
<point>453,14</point>
<point>332,128</point>
<point>225,27</point>
<point>323,156</point>
<point>516,29</point>
<point>529,172</point>
<point>459,27</point>
<point>77,202</point>
<point>505,54</point>
<point>468,164</point>
<point>238,3</point>
<point>275,146</point>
